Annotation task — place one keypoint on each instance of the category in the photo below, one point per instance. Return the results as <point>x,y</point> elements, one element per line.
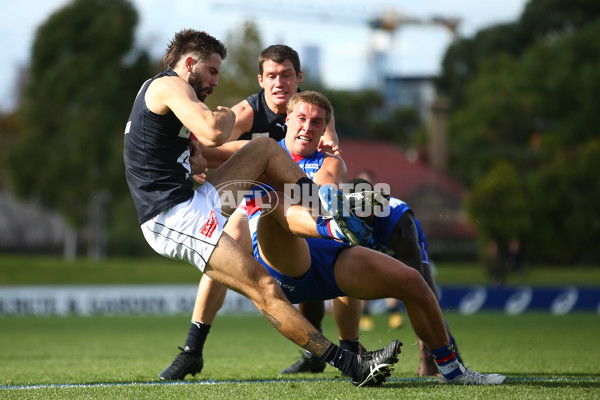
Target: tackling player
<point>184,223</point>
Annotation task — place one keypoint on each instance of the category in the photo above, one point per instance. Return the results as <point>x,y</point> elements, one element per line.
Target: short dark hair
<point>279,53</point>
<point>310,97</point>
<point>192,41</point>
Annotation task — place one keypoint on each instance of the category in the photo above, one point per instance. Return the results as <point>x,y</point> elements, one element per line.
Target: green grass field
<point>543,356</point>
<point>19,270</point>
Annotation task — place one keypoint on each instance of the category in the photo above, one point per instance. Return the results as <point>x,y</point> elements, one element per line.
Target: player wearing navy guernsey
<point>265,121</point>
<point>186,224</point>
<point>261,114</point>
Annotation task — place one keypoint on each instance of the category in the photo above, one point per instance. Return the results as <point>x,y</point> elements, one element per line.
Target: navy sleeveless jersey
<point>156,154</point>
<point>266,122</point>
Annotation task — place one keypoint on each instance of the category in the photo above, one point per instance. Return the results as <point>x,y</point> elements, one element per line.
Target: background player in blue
<point>261,114</point>
<point>400,235</point>
<point>317,269</point>
<point>187,224</point>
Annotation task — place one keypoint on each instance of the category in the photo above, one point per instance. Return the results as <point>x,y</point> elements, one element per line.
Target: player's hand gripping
<point>197,163</point>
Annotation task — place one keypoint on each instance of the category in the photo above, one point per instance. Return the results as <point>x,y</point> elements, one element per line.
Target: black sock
<point>350,345</point>
<point>196,337</point>
<point>343,360</point>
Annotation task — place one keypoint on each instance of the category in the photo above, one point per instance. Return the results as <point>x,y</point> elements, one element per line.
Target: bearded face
<point>200,85</point>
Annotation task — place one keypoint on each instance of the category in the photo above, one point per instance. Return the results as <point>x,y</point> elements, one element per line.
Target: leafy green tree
<point>398,125</point>
<point>239,71</point>
<point>499,205</point>
<point>525,109</point>
<point>463,59</point>
<point>541,20</point>
<point>9,128</point>
<point>495,124</point>
<point>565,207</point>
<point>83,75</point>
<point>353,111</point>
<point>538,111</point>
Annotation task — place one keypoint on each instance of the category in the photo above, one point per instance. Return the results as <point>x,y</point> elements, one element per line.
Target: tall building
<point>416,92</point>
<point>311,63</point>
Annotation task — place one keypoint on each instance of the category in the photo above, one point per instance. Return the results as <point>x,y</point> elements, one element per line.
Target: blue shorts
<point>319,282</point>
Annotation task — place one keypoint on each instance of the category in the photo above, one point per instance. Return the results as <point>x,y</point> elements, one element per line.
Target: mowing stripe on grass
<point>234,381</point>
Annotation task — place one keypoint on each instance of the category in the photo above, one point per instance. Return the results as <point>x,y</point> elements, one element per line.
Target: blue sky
<point>344,38</point>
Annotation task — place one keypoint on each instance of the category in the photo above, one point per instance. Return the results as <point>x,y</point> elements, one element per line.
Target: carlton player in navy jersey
<point>187,224</point>
<point>264,113</point>
<point>261,114</point>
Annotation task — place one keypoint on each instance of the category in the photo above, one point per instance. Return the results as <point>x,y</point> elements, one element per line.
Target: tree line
<point>522,128</point>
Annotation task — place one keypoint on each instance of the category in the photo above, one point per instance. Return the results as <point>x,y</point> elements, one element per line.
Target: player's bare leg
<point>363,273</point>
<point>366,274</point>
<point>346,312</point>
<point>211,295</point>
<point>209,300</point>
<point>406,284</point>
<point>260,156</point>
<point>231,266</point>
<point>427,366</point>
<point>313,311</point>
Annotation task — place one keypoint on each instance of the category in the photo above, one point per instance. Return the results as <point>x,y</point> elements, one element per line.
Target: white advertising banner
<point>109,300</point>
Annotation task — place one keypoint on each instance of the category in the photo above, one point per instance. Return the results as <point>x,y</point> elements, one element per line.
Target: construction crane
<point>386,21</point>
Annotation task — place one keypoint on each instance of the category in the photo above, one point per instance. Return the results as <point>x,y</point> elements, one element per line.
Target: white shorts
<point>190,230</point>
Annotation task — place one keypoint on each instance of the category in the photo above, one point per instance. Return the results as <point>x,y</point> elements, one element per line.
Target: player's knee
<point>416,286</point>
<point>262,142</point>
<point>258,145</point>
<point>269,289</point>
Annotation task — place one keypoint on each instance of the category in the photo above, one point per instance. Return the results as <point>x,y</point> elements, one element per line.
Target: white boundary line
<point>233,381</point>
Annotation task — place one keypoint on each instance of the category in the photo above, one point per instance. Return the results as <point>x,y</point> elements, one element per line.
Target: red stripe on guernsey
<point>296,157</point>
<point>444,360</point>
<point>251,207</point>
<point>193,138</point>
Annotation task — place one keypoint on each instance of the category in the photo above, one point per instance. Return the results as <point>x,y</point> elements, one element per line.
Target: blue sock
<point>446,362</point>
<point>455,348</point>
